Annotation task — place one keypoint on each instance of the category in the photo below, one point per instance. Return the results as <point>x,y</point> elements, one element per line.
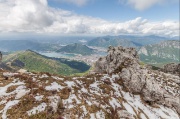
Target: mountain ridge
<point>162,53</point>
<point>126,40</point>
<point>33,61</point>
<point>77,49</point>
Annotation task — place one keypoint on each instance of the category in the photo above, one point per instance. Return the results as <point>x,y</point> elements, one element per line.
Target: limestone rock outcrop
<point>155,87</point>
<point>117,59</point>
<point>173,68</point>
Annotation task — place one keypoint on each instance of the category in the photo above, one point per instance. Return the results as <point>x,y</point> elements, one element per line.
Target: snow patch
<point>9,105</point>
<point>100,115</point>
<point>39,97</point>
<point>113,102</point>
<point>21,91</point>
<point>54,86</point>
<point>54,100</point>
<point>37,109</point>
<point>9,74</point>
<point>70,83</point>
<point>4,89</point>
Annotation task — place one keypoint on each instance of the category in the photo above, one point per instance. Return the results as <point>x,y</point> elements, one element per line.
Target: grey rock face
<point>153,86</point>
<point>117,58</point>
<point>172,68</point>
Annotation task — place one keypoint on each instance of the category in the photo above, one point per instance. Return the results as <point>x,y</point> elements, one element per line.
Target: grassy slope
<point>37,63</point>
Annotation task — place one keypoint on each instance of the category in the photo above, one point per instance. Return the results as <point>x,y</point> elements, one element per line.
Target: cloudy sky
<point>90,17</point>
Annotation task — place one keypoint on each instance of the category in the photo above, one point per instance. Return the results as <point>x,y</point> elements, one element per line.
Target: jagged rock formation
<point>116,60</point>
<point>173,68</point>
<point>154,87</point>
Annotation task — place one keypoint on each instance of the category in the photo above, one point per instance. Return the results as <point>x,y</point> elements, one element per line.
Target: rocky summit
<point>120,87</point>
<point>155,87</point>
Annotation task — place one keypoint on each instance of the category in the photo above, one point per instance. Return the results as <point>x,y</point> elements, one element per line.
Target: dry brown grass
<point>11,88</point>
<point>2,106</point>
<point>64,93</point>
<point>87,82</point>
<point>22,77</point>
<point>92,108</point>
<point>42,115</point>
<point>5,82</point>
<point>106,88</point>
<point>19,110</point>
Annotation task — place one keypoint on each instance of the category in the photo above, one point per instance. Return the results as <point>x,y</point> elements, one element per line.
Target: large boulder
<point>153,86</point>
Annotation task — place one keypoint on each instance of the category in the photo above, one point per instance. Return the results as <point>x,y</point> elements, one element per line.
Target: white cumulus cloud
<point>145,4</point>
<point>75,2</point>
<point>35,16</point>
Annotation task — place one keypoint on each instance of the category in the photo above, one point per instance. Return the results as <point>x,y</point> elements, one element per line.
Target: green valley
<point>35,62</point>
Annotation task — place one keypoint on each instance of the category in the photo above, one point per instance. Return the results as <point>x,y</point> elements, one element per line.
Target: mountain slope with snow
<point>118,88</point>
<point>95,97</point>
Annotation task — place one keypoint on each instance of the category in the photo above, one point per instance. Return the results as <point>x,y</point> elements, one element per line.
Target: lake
<point>57,55</point>
<point>66,55</point>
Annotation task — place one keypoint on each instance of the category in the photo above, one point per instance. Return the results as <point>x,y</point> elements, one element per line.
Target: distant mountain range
<point>35,62</point>
<point>125,41</point>
<point>152,49</point>
<point>161,53</point>
<point>113,41</point>
<point>77,49</point>
<point>20,45</point>
<point>54,44</point>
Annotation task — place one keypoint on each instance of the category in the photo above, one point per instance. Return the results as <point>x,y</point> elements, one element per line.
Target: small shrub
<point>11,88</point>
<point>64,93</point>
